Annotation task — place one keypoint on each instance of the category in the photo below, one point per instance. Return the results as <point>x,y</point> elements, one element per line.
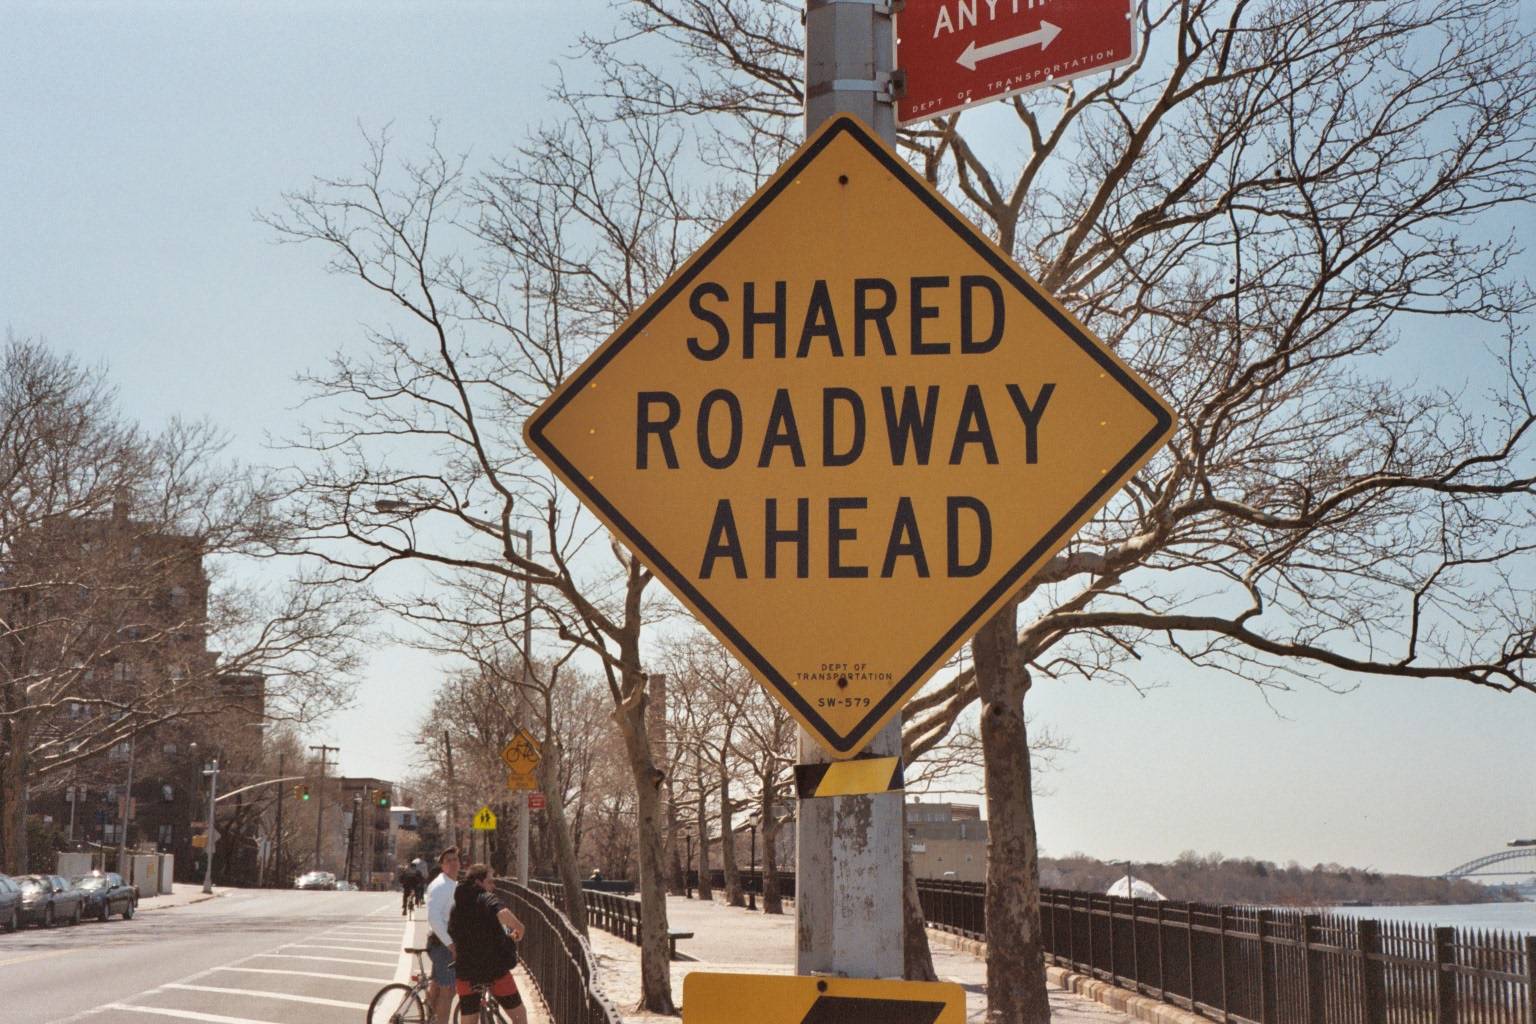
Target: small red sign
<point>957,53</point>
<point>535,801</point>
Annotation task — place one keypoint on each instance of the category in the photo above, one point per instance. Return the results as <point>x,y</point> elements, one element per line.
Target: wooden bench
<point>673,937</point>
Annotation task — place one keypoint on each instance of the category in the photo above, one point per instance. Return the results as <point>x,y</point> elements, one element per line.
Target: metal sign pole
<point>848,861</point>
<point>522,839</point>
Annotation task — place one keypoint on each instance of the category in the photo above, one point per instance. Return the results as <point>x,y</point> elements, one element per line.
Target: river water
<point>1502,917</point>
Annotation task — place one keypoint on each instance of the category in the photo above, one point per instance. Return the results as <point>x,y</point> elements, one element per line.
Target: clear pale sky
<point>136,141</point>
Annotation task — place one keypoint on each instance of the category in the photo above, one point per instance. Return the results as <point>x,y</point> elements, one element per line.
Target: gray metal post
<point>848,878</point>
<point>212,771</point>
<point>127,813</point>
<point>522,839</point>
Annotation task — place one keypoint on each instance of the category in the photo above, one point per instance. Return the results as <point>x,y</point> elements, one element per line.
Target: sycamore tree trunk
<point>560,831</point>
<point>701,813</point>
<point>13,798</point>
<point>1015,966</point>
<point>678,883</point>
<point>733,892</point>
<point>916,957</point>
<point>773,902</point>
<point>655,965</point>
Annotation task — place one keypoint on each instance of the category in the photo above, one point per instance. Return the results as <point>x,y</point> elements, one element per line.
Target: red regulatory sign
<point>957,53</point>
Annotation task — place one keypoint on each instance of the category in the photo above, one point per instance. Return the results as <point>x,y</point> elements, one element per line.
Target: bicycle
<point>490,1010</point>
<point>399,1003</point>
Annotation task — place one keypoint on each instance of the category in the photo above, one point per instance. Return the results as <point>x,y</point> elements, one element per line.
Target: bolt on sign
<point>957,53</point>
<point>778,999</point>
<point>847,431</point>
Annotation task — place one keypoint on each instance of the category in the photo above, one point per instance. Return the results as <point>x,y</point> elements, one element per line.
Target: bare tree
<point>117,554</point>
<point>1252,213</point>
<point>501,282</point>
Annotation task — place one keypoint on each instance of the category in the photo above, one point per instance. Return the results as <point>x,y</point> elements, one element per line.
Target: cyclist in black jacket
<point>485,934</point>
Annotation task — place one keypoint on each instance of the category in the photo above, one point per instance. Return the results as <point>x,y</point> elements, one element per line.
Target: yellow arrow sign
<point>777,999</point>
<point>847,432</point>
<point>484,820</point>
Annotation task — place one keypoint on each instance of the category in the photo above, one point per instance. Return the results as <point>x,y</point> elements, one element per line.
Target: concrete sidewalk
<point>182,894</point>
<point>733,940</point>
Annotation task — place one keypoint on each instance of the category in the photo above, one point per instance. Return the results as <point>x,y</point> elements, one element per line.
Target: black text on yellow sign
<point>847,431</point>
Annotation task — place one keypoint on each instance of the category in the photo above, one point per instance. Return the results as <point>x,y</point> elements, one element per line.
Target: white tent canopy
<point>1136,889</point>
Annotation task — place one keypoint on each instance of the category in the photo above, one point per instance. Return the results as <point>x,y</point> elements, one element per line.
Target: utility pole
<point>212,773</point>
<point>320,799</point>
<point>127,812</point>
<point>453,796</point>
<point>522,798</point>
<point>849,882</point>
<point>277,852</point>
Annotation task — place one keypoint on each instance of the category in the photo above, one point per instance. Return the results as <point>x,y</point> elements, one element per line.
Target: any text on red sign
<point>961,52</point>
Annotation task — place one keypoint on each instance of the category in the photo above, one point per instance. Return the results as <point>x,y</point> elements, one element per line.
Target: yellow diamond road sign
<point>484,820</point>
<point>521,754</point>
<point>777,999</point>
<point>847,431</point>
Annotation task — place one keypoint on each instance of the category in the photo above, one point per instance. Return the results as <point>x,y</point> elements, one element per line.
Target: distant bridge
<point>1498,864</point>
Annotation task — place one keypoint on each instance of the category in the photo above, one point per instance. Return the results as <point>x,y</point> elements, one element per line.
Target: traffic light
<point>381,797</point>
<point>301,791</point>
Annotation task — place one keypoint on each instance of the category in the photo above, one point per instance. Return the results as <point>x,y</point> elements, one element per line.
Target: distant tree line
<point>1212,878</point>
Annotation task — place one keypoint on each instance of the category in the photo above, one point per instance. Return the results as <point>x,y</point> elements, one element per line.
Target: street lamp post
<point>526,536</point>
<point>212,772</point>
<point>688,882</point>
<point>752,876</point>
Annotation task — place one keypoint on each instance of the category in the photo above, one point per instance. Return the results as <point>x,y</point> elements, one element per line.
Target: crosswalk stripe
<point>302,974</point>
<point>327,959</point>
<point>288,996</point>
<point>347,949</point>
<point>207,1018</point>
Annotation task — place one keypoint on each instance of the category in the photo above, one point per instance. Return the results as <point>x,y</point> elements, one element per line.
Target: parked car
<point>10,903</point>
<point>48,899</point>
<point>106,894</point>
<point>346,887</point>
<point>315,880</point>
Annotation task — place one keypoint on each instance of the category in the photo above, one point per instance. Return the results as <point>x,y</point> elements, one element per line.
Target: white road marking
<point>208,1018</point>
<point>327,959</point>
<point>345,949</point>
<point>289,996</point>
<point>301,974</point>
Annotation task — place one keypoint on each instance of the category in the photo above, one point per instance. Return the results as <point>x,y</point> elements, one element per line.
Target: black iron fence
<point>557,958</point>
<point>618,915</point>
<point>1254,966</point>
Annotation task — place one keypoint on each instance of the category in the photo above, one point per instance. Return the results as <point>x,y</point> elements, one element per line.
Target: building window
<point>179,596</point>
<point>120,752</point>
<point>76,710</point>
<point>167,794</point>
<point>168,749</point>
<point>109,832</point>
<point>167,834</point>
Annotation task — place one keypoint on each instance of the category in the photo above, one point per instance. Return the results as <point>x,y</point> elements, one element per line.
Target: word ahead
<point>847,431</point>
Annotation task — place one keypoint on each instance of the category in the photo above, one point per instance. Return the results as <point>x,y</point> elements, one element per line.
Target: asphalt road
<point>248,957</point>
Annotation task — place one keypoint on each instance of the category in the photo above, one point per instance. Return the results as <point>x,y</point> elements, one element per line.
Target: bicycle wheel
<point>397,1004</point>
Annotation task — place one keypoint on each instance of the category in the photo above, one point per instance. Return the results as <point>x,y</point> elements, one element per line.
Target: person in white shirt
<point>439,944</point>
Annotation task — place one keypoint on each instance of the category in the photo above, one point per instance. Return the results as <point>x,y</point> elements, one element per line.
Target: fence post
<point>1312,966</point>
<point>1372,971</point>
<point>1266,968</point>
<point>1162,958</point>
<point>1445,977</point>
<point>1114,964</point>
<point>1530,979</point>
<point>1135,950</point>
<point>1189,941</point>
<point>1221,929</point>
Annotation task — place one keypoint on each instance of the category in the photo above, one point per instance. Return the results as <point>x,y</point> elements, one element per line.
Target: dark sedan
<point>10,903</point>
<point>106,894</point>
<point>49,900</point>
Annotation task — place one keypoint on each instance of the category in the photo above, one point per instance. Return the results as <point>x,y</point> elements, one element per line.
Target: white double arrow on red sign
<point>974,54</point>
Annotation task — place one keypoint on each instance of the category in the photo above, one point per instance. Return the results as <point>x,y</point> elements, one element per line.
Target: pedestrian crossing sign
<point>485,820</point>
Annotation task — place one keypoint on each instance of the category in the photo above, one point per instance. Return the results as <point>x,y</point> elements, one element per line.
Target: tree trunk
<point>733,892</point>
<point>917,958</point>
<point>773,903</point>
<point>655,964</point>
<point>706,891</point>
<point>1015,967</point>
<point>679,878</point>
<point>560,831</point>
<point>13,795</point>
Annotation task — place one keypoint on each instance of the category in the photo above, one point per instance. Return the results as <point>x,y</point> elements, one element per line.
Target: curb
<point>1139,1007</point>
<point>202,898</point>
